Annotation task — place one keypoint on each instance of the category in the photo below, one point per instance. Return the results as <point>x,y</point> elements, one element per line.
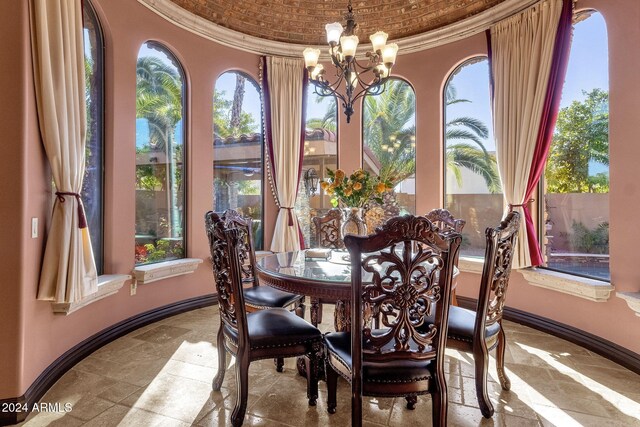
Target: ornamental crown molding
<point>235,39</point>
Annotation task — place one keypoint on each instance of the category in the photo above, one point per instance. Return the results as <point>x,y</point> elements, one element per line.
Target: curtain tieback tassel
<point>290,213</point>
<point>82,219</point>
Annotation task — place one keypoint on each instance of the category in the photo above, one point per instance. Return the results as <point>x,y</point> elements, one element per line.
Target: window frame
<point>89,9</point>
<point>263,149</point>
<point>541,194</point>
<point>159,46</point>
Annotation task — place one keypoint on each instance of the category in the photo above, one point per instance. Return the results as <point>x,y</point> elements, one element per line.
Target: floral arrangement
<point>355,190</point>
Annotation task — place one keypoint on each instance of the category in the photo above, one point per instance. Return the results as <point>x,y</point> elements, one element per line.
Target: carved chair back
<point>232,219</point>
<point>227,245</point>
<point>406,286</point>
<point>445,221</point>
<point>328,230</point>
<point>496,271</point>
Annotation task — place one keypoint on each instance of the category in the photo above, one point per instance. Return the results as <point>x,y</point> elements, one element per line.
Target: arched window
<point>472,184</point>
<point>576,184</point>
<point>389,141</point>
<point>92,186</point>
<point>238,149</point>
<point>160,156</point>
<point>320,153</point>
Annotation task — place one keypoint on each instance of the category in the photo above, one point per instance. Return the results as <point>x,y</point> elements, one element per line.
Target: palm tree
<point>465,148</point>
<point>159,101</point>
<point>329,120</point>
<point>389,130</point>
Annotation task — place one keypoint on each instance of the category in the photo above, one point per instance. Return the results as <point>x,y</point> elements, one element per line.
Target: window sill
<point>632,299</point>
<point>108,284</point>
<point>471,265</point>
<point>589,289</point>
<point>163,270</point>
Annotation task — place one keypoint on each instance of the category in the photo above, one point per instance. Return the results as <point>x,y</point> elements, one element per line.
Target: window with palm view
<point>92,186</point>
<point>575,235</point>
<point>472,183</point>
<point>238,148</point>
<point>388,151</point>
<point>160,155</point>
<point>320,153</point>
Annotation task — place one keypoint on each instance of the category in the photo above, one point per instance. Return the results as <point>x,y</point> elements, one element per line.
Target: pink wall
<point>31,337</point>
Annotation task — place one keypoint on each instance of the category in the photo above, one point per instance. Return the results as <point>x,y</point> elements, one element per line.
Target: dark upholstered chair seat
<point>276,327</point>
<point>462,322</point>
<point>391,371</point>
<point>264,297</point>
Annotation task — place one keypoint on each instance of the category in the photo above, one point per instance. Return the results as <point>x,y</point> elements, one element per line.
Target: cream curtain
<point>522,49</point>
<point>68,270</point>
<point>285,90</point>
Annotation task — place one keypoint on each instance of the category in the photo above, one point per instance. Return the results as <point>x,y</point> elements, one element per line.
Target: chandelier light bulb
<point>384,147</point>
<point>389,53</point>
<point>334,31</point>
<point>383,71</point>
<point>311,56</point>
<point>378,40</point>
<point>349,45</point>
<point>317,71</point>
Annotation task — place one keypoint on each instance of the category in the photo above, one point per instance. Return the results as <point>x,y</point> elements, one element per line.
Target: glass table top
<point>335,268</point>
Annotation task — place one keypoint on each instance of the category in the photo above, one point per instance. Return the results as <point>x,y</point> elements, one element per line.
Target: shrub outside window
<point>238,149</point>
<point>160,155</point>
<point>575,228</point>
<point>472,184</point>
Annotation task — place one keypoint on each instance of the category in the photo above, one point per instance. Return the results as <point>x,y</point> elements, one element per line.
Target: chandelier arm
<point>365,91</point>
<point>322,90</point>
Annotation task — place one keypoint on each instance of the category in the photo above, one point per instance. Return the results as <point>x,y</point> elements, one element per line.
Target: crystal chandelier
<point>360,80</point>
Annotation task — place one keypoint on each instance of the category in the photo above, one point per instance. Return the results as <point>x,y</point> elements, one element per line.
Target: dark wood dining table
<point>323,280</point>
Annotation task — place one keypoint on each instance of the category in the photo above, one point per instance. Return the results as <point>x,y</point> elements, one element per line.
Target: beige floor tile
<point>160,375</point>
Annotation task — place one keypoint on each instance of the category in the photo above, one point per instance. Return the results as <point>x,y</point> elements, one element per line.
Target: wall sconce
<point>311,181</point>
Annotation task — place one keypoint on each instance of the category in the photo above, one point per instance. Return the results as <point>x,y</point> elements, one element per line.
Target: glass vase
<point>353,222</point>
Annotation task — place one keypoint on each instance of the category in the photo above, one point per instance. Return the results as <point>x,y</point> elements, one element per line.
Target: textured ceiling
<point>302,21</point>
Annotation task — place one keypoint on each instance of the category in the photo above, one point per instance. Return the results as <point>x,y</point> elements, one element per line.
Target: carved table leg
<point>342,316</point>
<point>315,312</point>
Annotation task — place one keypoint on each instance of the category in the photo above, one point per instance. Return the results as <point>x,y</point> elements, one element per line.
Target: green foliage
<point>581,136</point>
<point>161,251</point>
<point>588,241</point>
<point>222,118</point>
<point>329,120</point>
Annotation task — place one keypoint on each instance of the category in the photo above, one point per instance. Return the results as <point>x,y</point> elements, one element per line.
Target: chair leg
<point>502,375</point>
<point>222,361</point>
<point>356,409</point>
<point>242,392</point>
<point>439,401</point>
<point>411,402</point>
<point>481,360</point>
<point>332,388</point>
<point>279,362</point>
<point>316,312</point>
<point>312,374</point>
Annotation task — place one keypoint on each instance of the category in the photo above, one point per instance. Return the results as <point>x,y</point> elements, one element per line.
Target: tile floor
<point>160,375</point>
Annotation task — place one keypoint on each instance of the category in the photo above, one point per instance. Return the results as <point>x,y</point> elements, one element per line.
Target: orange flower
<point>380,188</point>
<point>357,186</point>
<point>330,190</point>
<point>324,185</point>
<point>339,175</point>
<point>348,191</point>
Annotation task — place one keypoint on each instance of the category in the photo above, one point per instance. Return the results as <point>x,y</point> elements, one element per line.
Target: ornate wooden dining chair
<point>481,331</point>
<point>256,297</point>
<point>408,286</point>
<point>328,236</point>
<point>263,334</point>
<point>445,221</point>
<point>328,230</point>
